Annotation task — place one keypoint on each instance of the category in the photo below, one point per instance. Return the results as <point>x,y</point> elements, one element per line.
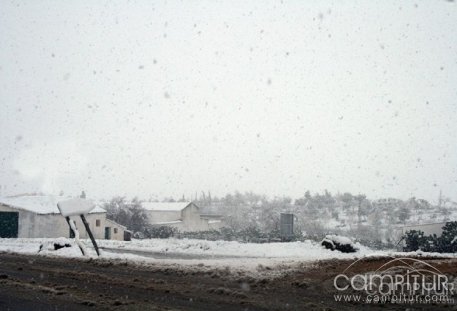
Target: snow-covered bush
<point>161,232</point>
<point>414,240</point>
<point>446,243</point>
<point>55,244</point>
<point>339,243</point>
<point>448,239</point>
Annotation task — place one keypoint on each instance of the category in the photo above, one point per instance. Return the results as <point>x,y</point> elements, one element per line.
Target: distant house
<point>386,204</point>
<point>37,216</point>
<point>115,231</point>
<point>184,216</point>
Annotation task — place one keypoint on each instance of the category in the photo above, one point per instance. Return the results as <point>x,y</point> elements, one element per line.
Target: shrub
<point>448,239</point>
<point>162,232</point>
<point>446,243</point>
<point>415,240</point>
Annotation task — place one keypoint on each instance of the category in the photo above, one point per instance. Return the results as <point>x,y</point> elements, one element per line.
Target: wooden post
<point>90,234</point>
<point>68,222</point>
<point>74,233</point>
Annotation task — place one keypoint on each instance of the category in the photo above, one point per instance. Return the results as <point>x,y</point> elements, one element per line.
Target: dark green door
<point>107,233</point>
<point>9,224</point>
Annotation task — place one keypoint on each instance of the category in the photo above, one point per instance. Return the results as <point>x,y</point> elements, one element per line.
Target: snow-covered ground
<point>198,252</point>
<point>307,250</point>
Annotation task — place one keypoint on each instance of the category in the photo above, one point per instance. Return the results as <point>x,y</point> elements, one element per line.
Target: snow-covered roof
<point>165,206</point>
<point>112,222</point>
<point>40,204</point>
<point>173,222</point>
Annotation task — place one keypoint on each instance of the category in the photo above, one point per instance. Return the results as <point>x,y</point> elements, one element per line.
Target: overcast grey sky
<point>171,97</point>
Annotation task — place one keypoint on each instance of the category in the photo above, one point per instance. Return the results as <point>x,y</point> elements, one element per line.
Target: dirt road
<point>43,283</point>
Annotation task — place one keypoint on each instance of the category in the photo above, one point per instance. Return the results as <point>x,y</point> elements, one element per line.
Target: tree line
<point>373,222</point>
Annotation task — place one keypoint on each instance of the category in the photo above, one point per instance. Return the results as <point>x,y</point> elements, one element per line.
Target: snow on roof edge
<point>165,206</point>
<point>40,204</point>
<point>171,222</point>
<point>117,224</point>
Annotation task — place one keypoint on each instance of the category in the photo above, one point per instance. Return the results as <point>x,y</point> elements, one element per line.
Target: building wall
<point>191,219</point>
<point>33,225</point>
<point>97,231</point>
<point>26,222</point>
<point>163,216</point>
<point>117,231</point>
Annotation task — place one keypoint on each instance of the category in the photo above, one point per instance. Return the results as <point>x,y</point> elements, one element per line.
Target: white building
<point>37,216</point>
<point>115,231</point>
<point>184,216</point>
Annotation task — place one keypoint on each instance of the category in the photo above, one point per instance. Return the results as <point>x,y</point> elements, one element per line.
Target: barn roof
<point>165,206</point>
<point>40,204</point>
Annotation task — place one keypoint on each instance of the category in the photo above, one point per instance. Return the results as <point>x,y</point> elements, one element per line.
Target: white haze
<point>168,98</point>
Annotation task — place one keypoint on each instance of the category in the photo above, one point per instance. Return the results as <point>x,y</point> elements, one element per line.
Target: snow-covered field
<point>198,252</point>
<point>307,250</point>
